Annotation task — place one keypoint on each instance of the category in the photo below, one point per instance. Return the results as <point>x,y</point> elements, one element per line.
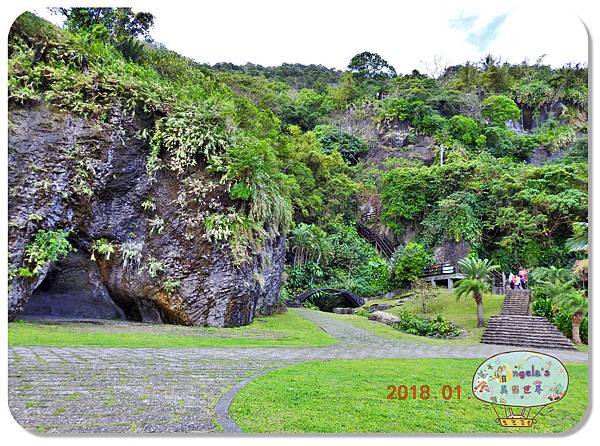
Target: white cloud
<point>330,32</point>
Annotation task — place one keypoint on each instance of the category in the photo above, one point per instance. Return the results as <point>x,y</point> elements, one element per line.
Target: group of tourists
<point>518,281</point>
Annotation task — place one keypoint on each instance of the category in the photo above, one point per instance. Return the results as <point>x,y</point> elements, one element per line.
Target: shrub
<point>464,130</point>
<point>564,322</point>
<point>498,109</point>
<point>420,115</point>
<point>436,327</point>
<point>406,193</point>
<point>332,138</point>
<point>453,219</point>
<point>47,246</point>
<point>343,260</point>
<point>393,108</point>
<point>543,306</point>
<point>554,136</point>
<point>370,278</point>
<point>303,277</point>
<point>307,109</point>
<point>408,263</point>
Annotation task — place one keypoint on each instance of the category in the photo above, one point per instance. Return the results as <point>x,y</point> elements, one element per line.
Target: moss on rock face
<point>49,147</point>
<point>110,133</point>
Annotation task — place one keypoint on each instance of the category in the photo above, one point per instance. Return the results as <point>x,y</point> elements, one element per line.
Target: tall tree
<point>121,23</point>
<point>372,70</point>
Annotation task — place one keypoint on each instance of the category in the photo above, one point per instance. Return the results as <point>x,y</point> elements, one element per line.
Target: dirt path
<point>74,389</point>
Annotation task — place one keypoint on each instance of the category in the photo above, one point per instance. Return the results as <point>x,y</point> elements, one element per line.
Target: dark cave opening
<point>72,289</point>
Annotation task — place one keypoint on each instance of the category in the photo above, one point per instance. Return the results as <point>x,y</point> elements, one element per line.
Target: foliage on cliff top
<point>192,118</point>
<point>281,137</point>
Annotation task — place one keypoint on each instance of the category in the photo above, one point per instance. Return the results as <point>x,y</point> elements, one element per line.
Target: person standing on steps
<point>516,282</point>
<point>511,281</point>
<point>523,278</point>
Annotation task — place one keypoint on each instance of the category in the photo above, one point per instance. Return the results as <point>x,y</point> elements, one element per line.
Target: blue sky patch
<point>463,22</point>
<point>484,36</point>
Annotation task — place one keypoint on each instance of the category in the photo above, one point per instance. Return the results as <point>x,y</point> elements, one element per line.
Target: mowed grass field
<point>462,312</point>
<point>280,330</point>
<point>350,396</point>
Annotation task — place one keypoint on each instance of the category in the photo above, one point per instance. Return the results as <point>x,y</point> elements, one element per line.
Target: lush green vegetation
<point>338,259</point>
<point>524,217</point>
<point>292,145</point>
<point>281,330</point>
<point>559,297</point>
<point>442,303</point>
<point>350,396</point>
<point>476,282</point>
<point>435,327</point>
<point>408,263</point>
<point>47,246</point>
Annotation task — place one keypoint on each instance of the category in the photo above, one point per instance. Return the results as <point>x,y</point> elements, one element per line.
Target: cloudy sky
<point>408,34</point>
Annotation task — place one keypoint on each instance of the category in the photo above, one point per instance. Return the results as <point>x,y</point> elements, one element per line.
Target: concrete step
<point>523,330</point>
<point>524,338</point>
<point>545,345</point>
<point>529,343</point>
<point>519,341</point>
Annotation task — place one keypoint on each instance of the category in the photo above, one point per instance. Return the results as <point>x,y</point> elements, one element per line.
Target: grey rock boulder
<point>89,177</point>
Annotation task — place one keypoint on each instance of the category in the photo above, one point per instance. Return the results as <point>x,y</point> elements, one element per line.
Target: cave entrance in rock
<point>72,289</point>
<point>326,299</point>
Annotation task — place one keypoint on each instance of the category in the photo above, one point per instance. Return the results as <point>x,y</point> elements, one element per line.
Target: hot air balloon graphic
<point>519,385</point>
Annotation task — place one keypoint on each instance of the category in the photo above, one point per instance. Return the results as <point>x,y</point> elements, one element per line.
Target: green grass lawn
<point>462,312</point>
<point>350,396</point>
<point>282,330</point>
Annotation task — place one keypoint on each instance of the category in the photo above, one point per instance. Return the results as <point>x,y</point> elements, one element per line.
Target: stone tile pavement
<point>117,390</point>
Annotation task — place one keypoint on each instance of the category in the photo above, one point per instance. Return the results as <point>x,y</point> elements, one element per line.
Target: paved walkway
<point>72,389</point>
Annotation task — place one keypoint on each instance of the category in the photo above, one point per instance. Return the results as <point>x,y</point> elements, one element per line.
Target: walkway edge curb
<point>224,403</point>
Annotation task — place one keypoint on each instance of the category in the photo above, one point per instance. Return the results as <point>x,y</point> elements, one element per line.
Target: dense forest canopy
<point>304,148</point>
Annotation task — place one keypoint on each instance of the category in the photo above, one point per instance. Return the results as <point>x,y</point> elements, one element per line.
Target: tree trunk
<point>577,318</point>
<point>479,301</point>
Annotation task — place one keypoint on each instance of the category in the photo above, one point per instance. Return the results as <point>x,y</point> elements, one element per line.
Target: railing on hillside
<point>439,269</point>
<point>497,279</point>
<point>382,245</point>
<point>370,215</point>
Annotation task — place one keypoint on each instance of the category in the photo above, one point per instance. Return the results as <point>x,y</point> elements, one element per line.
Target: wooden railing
<point>439,269</point>
<point>382,245</point>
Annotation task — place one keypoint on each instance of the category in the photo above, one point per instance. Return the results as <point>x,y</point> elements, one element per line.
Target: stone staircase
<point>383,246</point>
<point>516,302</point>
<point>514,326</point>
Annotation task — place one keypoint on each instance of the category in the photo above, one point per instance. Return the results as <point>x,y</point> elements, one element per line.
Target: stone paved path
<point>72,389</point>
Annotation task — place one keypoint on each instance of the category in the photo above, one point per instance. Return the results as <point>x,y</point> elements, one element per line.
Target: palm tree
<point>476,283</point>
<point>308,242</point>
<point>577,304</point>
<point>579,243</point>
<point>568,298</point>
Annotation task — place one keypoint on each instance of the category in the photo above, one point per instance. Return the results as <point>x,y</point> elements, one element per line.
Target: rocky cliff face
<point>89,177</point>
